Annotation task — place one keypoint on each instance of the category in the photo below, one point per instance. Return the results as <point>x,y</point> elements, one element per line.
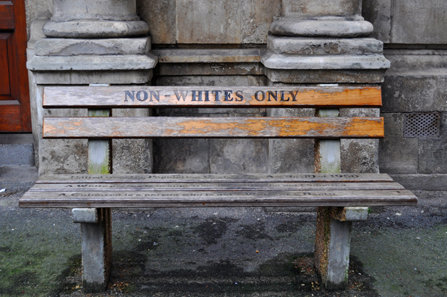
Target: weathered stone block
<point>58,156</point>
<point>410,92</point>
<point>321,7</point>
<point>433,155</point>
<point>425,182</point>
<point>359,112</point>
<point>224,22</point>
<point>181,156</point>
<point>323,46</point>
<point>330,62</point>
<point>188,62</point>
<point>95,29</point>
<point>394,124</point>
<point>324,76</point>
<point>131,155</point>
<point>360,155</point>
<point>213,69</point>
<point>161,17</point>
<point>291,155</point>
<point>37,9</point>
<point>99,9</point>
<point>378,12</point>
<point>431,13</point>
<point>238,155</point>
<point>327,27</point>
<point>73,47</point>
<point>249,55</point>
<point>92,63</point>
<point>398,155</point>
<point>211,80</point>
<point>93,77</point>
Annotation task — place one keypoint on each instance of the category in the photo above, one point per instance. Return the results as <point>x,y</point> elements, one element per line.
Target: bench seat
<point>216,190</point>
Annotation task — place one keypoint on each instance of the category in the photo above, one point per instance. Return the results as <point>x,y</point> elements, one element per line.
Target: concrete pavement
<point>398,251</point>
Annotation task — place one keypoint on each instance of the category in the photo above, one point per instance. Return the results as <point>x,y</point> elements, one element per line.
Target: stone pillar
<point>327,42</point>
<point>86,43</point>
<point>323,41</point>
<point>90,42</point>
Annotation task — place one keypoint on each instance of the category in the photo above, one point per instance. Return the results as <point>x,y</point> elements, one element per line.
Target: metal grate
<point>422,125</point>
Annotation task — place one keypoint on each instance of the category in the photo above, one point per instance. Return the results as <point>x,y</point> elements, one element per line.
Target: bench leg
<point>96,234</point>
<point>333,243</point>
<point>332,246</point>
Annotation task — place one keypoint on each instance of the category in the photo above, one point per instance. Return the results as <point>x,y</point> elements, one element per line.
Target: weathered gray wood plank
<point>156,96</point>
<point>213,178</point>
<point>221,198</point>
<point>123,187</point>
<point>228,127</point>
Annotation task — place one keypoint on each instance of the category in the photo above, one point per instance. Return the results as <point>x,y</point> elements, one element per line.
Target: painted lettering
<point>181,95</point>
<point>293,94</point>
<point>239,96</point>
<point>228,95</point>
<point>207,95</point>
<point>260,96</point>
<point>129,95</point>
<point>272,95</point>
<point>196,96</point>
<point>283,97</point>
<point>142,96</point>
<point>156,95</point>
<point>216,95</point>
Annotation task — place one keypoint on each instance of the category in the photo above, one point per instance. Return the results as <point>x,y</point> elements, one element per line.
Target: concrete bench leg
<point>96,234</point>
<point>333,241</point>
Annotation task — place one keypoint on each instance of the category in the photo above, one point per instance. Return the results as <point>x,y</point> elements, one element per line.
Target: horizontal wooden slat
<point>133,96</point>
<point>198,186</point>
<point>221,198</point>
<point>214,178</point>
<point>258,127</point>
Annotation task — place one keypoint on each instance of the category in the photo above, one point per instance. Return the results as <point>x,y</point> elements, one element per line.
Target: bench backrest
<point>208,127</point>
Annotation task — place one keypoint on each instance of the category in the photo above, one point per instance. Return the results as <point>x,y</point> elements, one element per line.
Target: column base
<point>343,76</point>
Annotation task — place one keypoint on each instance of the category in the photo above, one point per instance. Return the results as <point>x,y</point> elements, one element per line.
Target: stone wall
<point>415,88</point>
<point>209,21</point>
<point>220,42</point>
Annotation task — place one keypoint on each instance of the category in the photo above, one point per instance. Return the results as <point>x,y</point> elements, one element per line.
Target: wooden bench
<point>340,197</point>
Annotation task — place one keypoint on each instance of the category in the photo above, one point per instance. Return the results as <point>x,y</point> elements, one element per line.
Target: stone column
<point>90,42</point>
<point>327,42</point>
<point>323,41</point>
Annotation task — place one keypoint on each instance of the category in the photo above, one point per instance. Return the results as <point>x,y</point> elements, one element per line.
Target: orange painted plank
<point>155,96</point>
<point>314,127</point>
